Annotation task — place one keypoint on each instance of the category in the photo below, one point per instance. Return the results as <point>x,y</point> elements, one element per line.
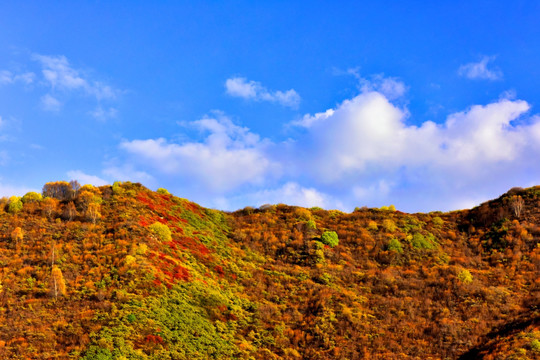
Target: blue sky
<point>235,103</point>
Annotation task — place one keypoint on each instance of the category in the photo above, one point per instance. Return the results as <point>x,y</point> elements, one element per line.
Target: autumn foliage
<point>122,272</point>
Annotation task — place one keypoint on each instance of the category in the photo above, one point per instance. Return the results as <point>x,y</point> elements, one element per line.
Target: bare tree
<point>517,205</point>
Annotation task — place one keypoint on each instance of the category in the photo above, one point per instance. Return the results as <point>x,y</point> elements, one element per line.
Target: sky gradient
<point>236,103</point>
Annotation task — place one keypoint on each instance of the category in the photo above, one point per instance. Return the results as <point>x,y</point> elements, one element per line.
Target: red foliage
<point>181,273</point>
<point>219,270</point>
<point>154,339</point>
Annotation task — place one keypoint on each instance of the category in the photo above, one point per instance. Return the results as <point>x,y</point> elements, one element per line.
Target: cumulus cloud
<point>252,90</point>
<point>228,157</point>
<point>85,178</point>
<point>367,150</point>
<point>367,144</point>
<point>479,70</point>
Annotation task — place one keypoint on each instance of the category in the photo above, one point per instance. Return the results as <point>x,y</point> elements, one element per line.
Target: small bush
<point>465,277</point>
<point>15,205</point>
<point>31,196</point>
<point>389,225</point>
<point>372,225</point>
<point>535,345</point>
<point>330,238</point>
<point>117,188</point>
<point>162,231</point>
<point>395,245</point>
<point>420,242</point>
<point>163,191</point>
<point>311,225</point>
<point>437,221</point>
<point>303,214</point>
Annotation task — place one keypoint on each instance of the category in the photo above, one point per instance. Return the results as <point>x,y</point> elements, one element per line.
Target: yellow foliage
<point>58,283</point>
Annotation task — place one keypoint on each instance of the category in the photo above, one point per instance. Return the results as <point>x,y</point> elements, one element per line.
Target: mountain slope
<point>122,272</point>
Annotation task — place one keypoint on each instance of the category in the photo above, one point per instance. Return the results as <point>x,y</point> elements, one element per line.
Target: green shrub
<point>15,204</point>
<point>311,225</point>
<point>163,191</point>
<point>389,225</point>
<point>465,277</point>
<point>330,238</point>
<point>395,245</point>
<point>117,188</point>
<point>437,221</point>
<point>535,345</point>
<point>162,231</point>
<point>420,242</point>
<point>31,196</point>
<point>372,225</point>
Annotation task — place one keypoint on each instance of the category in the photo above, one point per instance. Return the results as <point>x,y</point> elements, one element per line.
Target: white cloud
<point>7,190</point>
<point>59,74</point>
<point>364,151</point>
<point>127,172</point>
<point>252,90</point>
<point>7,77</point>
<point>85,178</point>
<point>366,145</point>
<point>479,70</point>
<point>229,156</point>
<point>369,131</point>
<point>50,103</point>
<point>290,193</point>
<point>104,114</point>
<point>391,87</point>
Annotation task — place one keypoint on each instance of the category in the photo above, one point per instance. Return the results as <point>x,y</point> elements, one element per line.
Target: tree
<point>330,238</point>
<point>163,191</point>
<point>70,211</point>
<point>31,197</point>
<point>49,206</point>
<point>75,186</point>
<point>61,190</point>
<point>395,245</point>
<point>516,203</point>
<point>15,204</point>
<point>58,282</point>
<point>17,234</point>
<point>162,231</point>
<point>465,276</point>
<point>93,212</point>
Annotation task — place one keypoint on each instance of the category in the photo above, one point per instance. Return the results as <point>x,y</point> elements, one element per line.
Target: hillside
<point>122,272</point>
